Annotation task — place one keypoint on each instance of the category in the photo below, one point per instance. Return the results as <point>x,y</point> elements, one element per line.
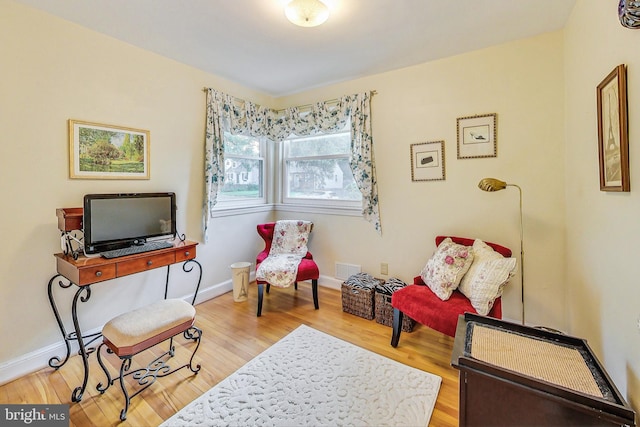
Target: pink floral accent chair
<point>307,269</point>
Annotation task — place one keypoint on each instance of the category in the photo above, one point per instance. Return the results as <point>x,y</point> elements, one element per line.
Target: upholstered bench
<point>133,332</point>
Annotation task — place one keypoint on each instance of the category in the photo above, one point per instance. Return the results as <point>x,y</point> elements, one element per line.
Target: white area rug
<point>309,378</point>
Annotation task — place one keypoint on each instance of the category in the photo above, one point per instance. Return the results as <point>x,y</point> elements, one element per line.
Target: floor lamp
<point>491,185</point>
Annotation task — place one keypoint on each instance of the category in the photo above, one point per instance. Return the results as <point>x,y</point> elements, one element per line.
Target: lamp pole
<point>521,250</point>
<point>491,185</point>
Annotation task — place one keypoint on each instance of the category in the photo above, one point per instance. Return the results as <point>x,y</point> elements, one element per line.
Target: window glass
<point>244,170</point>
<point>316,169</point>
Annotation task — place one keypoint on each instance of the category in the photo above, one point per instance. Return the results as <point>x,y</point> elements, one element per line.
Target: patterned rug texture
<point>309,378</point>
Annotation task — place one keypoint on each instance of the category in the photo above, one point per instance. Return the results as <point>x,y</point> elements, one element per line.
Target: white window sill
<point>222,211</point>
<point>344,211</point>
<point>219,212</point>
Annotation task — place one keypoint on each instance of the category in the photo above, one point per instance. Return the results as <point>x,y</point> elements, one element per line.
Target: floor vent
<point>344,271</point>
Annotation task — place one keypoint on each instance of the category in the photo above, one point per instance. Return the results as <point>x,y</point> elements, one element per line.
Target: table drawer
<point>96,274</point>
<point>145,263</point>
<point>186,253</point>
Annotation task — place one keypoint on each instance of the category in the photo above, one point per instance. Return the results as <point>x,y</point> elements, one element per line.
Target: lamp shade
<point>491,184</point>
<point>306,13</point>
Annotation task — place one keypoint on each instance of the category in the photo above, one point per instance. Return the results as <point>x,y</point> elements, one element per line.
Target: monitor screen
<point>114,221</point>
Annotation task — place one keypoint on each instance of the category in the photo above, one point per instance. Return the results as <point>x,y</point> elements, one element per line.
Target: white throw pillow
<point>481,252</point>
<point>446,267</point>
<point>487,276</point>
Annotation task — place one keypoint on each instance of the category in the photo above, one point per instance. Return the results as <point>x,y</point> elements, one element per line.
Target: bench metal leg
<point>146,376</point>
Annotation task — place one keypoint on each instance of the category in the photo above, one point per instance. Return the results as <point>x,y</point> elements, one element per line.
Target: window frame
<point>319,205</point>
<point>250,204</point>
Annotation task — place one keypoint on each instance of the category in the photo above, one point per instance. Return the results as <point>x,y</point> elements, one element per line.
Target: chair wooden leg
<point>268,287</point>
<point>295,285</point>
<point>314,288</point>
<point>397,327</point>
<point>260,295</point>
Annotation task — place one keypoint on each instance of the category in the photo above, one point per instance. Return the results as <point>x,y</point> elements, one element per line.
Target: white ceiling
<point>252,43</point>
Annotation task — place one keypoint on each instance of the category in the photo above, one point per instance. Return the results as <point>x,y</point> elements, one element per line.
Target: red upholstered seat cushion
<point>307,269</point>
<point>419,303</point>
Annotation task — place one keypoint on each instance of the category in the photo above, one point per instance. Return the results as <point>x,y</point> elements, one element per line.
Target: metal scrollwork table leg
<point>83,293</point>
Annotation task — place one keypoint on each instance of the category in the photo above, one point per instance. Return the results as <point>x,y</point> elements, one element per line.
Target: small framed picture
<point>98,151</point>
<point>477,136</point>
<point>613,141</point>
<point>427,161</point>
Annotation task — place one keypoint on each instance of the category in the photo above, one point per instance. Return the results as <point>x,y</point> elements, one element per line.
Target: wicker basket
<point>358,295</point>
<point>383,308</point>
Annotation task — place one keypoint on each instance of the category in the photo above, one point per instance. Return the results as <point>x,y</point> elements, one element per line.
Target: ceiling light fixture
<point>306,13</point>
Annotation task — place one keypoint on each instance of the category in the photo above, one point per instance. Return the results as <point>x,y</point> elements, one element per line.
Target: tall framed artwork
<point>613,141</point>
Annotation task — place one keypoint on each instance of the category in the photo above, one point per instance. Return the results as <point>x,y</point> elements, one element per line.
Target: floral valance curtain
<point>225,113</point>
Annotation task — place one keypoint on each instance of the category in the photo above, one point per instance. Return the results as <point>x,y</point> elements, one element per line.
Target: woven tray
<point>530,356</point>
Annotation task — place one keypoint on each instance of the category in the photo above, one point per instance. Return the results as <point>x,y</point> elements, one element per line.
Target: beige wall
<point>59,70</point>
<point>602,227</point>
<point>53,70</point>
<point>523,83</point>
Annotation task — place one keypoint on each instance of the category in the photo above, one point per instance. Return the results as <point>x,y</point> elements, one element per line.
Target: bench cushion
<point>419,303</point>
<point>137,330</point>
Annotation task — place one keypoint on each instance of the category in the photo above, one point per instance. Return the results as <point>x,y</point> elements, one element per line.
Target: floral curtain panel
<point>225,113</point>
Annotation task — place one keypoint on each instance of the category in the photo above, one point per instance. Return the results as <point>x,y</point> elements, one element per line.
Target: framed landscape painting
<point>98,151</point>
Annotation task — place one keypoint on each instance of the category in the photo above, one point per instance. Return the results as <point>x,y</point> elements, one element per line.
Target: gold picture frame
<point>99,151</point>
<point>613,138</point>
<point>477,136</point>
<point>427,161</point>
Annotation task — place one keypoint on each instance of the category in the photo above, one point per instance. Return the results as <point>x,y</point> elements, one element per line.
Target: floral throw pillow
<point>446,267</point>
<point>487,277</point>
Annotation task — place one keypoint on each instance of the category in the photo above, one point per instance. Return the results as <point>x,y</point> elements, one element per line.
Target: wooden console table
<point>514,375</point>
<point>84,272</point>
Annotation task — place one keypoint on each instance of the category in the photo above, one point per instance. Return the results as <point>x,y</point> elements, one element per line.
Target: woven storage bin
<point>358,295</point>
<point>383,307</point>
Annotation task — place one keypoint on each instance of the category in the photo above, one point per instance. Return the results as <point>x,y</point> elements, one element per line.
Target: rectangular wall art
<point>613,142</point>
<point>477,136</point>
<point>427,161</point>
<point>98,151</point>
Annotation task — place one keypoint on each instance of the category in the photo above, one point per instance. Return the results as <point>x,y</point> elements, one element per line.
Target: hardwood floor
<point>233,335</point>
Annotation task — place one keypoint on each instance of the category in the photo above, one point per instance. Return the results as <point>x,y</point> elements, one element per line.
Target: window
<point>243,171</point>
<point>315,171</point>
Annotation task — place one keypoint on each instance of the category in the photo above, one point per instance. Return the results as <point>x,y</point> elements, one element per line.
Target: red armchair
<point>419,303</point>
<point>307,269</point>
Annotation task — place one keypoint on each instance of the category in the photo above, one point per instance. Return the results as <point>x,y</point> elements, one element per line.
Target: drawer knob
<point>149,262</point>
<point>98,273</point>
<point>186,253</point>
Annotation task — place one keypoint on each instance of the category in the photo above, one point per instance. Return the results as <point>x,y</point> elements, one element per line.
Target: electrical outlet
<point>384,268</point>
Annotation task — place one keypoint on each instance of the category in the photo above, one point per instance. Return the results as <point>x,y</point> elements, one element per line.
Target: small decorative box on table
<point>514,375</point>
<point>383,307</point>
<point>358,295</point>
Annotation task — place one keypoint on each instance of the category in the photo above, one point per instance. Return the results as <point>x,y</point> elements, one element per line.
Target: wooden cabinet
<point>531,387</point>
